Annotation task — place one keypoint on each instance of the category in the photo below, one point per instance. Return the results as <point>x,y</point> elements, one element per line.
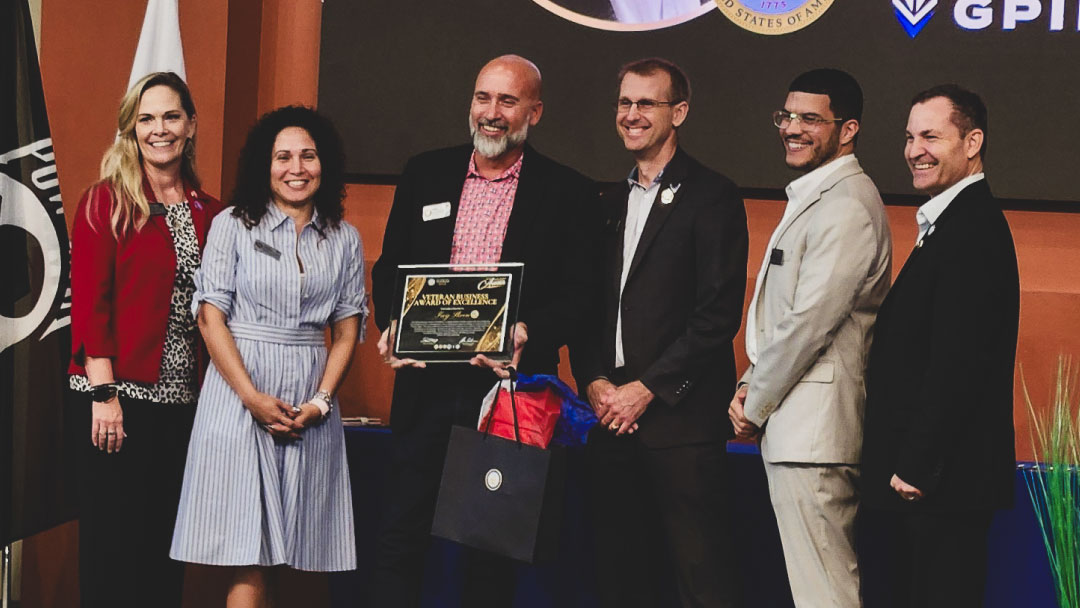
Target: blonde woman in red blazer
<point>135,244</point>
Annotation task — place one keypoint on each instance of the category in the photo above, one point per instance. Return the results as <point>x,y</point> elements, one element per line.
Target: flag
<point>36,492</point>
<point>159,47</point>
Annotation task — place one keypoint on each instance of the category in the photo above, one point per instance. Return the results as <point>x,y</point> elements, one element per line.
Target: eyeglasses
<point>783,119</point>
<point>643,105</point>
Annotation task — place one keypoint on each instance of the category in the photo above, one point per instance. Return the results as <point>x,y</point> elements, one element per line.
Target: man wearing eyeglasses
<point>825,272</point>
<point>674,279</point>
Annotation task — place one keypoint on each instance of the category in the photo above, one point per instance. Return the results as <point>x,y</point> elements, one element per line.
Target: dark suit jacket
<point>682,303</point>
<point>551,229</point>
<point>939,410</point>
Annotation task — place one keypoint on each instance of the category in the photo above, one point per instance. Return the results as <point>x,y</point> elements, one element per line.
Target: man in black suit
<point>674,279</point>
<point>494,200</point>
<point>938,455</point>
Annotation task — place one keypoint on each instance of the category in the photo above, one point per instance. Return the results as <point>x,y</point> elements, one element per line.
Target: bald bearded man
<point>495,199</point>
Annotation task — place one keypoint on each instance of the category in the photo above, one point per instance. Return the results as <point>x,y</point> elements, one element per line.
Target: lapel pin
<point>668,194</point>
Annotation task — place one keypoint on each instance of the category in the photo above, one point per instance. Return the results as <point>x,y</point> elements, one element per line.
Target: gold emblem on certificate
<point>451,313</point>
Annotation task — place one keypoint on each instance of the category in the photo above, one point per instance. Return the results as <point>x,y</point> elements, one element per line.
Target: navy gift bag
<point>501,495</point>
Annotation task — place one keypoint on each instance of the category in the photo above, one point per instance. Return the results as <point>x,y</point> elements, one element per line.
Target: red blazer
<point>121,289</point>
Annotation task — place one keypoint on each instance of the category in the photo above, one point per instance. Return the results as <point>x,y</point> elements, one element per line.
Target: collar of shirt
<point>632,179</point>
<point>800,190</point>
<point>513,171</point>
<point>932,209</point>
<point>638,204</point>
<point>276,217</point>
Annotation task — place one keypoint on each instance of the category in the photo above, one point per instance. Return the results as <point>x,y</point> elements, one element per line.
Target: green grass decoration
<point>1054,483</point>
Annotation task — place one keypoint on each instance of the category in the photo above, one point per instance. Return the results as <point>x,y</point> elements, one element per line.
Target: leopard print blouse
<point>178,378</point>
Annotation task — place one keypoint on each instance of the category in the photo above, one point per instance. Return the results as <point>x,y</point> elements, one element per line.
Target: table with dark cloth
<point>1019,574</point>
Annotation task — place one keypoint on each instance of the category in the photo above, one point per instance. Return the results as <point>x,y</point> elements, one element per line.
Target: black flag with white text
<point>35,296</point>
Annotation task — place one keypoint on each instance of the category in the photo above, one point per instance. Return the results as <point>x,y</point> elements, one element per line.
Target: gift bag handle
<point>513,408</point>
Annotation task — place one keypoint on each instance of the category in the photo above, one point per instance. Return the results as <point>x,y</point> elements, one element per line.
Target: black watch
<point>103,393</point>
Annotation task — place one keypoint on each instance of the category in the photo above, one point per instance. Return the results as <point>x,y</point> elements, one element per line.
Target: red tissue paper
<point>537,413</point>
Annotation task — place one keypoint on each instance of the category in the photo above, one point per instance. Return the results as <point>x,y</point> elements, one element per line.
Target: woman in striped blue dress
<point>266,482</point>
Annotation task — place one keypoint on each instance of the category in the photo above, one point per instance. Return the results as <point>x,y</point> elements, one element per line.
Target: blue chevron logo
<point>914,14</point>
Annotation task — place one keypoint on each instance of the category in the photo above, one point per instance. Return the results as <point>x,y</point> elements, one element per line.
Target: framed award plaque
<point>453,312</point>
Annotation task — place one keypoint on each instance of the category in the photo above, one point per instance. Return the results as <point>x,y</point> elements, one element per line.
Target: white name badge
<point>436,211</point>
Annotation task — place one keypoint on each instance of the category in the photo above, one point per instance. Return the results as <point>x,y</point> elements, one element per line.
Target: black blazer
<point>682,303</point>
<point>551,230</point>
<point>939,409</point>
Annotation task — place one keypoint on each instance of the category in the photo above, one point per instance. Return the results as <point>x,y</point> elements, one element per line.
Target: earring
<point>189,148</point>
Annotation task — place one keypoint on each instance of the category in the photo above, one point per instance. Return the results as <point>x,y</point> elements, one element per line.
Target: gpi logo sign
<point>982,14</point>
<point>914,14</point>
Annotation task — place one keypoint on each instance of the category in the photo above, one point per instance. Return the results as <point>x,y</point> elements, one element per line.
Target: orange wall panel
<point>1049,258</point>
<point>1050,295</point>
<point>50,568</point>
<point>86,53</point>
<point>367,388</point>
<point>289,61</point>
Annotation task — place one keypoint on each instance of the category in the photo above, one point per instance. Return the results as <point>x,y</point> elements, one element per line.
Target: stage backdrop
<point>396,77</point>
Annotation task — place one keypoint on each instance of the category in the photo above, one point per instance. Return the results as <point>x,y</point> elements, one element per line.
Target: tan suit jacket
<point>815,313</point>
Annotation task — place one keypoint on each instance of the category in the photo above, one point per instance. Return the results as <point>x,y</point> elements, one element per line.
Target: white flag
<point>159,48</point>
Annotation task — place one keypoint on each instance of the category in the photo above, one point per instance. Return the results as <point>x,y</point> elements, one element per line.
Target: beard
<point>494,147</point>
<point>821,154</point>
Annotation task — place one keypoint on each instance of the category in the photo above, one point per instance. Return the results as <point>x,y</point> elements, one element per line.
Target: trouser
<point>815,508</point>
<point>128,503</point>
<point>660,509</point>
<point>925,559</point>
<point>419,451</point>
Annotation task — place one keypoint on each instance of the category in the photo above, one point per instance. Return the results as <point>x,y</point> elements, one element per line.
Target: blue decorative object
<point>577,417</point>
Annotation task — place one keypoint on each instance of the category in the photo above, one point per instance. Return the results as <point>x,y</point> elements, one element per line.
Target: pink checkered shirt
<point>483,213</point>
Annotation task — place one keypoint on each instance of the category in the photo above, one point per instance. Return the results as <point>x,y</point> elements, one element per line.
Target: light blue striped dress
<point>248,499</point>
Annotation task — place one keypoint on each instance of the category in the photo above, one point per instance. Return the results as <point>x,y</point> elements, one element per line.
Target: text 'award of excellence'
<point>449,313</point>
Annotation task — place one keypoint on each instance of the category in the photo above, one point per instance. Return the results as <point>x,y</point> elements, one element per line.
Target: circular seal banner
<point>773,17</point>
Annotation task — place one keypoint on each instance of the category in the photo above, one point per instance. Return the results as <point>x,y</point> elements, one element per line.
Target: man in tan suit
<point>826,271</point>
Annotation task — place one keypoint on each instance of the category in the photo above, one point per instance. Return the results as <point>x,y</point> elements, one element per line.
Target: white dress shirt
<point>932,209</point>
<point>798,192</point>
<point>638,205</point>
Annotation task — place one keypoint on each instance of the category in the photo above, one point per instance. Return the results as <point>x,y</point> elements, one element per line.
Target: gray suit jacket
<point>815,314</point>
